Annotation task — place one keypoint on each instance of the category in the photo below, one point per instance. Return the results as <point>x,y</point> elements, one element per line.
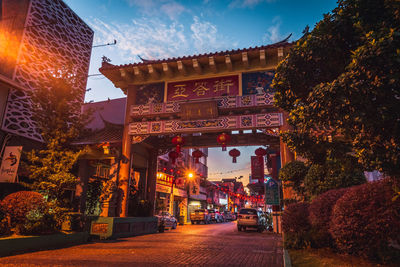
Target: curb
<point>286,259</point>
<point>13,246</point>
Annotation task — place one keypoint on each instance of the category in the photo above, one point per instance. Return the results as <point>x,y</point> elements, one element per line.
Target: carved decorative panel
<point>252,121</point>
<point>222,102</point>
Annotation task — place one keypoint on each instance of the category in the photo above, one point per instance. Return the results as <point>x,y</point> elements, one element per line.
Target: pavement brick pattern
<point>189,245</point>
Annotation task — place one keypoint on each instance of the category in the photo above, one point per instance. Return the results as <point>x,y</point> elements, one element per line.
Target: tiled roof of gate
<point>106,65</point>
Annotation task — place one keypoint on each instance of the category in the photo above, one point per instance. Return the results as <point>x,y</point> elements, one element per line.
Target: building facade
<point>38,39</point>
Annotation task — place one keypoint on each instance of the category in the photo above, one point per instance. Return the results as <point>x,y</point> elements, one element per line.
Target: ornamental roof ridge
<point>107,66</point>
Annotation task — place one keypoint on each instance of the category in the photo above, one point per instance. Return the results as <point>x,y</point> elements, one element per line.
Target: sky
<point>159,29</point>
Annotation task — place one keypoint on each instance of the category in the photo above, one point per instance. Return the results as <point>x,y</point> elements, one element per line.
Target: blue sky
<point>157,29</point>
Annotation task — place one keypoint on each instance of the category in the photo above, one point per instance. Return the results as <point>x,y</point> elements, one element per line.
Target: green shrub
<point>331,175</point>
<point>17,205</point>
<point>4,227</point>
<point>296,226</point>
<point>294,173</point>
<point>366,222</point>
<point>37,222</point>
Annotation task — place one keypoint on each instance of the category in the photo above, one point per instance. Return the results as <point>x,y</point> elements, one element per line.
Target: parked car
<point>166,220</point>
<point>251,218</point>
<point>229,216</point>
<point>200,215</point>
<point>215,216</point>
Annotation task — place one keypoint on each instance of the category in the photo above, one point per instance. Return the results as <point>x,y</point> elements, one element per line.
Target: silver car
<point>251,218</point>
<point>166,220</point>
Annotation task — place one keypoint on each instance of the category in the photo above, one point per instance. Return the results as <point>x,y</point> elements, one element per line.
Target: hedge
<point>366,222</point>
<point>320,216</point>
<point>296,226</point>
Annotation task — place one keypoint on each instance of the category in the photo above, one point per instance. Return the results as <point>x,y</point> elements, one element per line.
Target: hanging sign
<point>195,187</point>
<point>204,88</point>
<point>271,192</point>
<point>257,168</point>
<point>10,163</point>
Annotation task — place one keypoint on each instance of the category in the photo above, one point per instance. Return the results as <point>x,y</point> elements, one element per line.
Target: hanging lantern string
<point>242,196</point>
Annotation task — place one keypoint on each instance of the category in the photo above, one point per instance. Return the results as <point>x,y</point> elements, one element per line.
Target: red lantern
<point>261,152</point>
<point>197,154</point>
<point>173,155</point>
<point>223,139</point>
<point>234,153</point>
<point>178,141</point>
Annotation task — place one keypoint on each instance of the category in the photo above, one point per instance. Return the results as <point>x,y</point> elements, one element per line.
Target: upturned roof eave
<point>108,66</point>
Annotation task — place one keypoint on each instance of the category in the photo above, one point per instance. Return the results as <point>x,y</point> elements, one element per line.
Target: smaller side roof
<point>109,111</point>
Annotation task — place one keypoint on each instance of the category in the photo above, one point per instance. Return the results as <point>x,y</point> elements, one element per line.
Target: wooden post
<point>286,156</point>
<point>81,187</point>
<point>152,179</point>
<point>126,155</point>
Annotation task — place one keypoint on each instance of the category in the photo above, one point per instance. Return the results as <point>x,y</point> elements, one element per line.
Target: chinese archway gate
<point>199,97</point>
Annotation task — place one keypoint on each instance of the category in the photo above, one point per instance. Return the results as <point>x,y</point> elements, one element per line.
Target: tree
<point>293,173</point>
<point>56,112</point>
<point>341,86</point>
<point>331,175</point>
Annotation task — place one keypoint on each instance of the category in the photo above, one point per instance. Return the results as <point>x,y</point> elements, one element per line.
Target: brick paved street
<point>208,245</point>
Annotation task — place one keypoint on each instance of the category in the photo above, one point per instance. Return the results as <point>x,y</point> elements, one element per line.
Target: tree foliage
<point>331,175</point>
<point>56,112</point>
<point>294,173</point>
<point>341,86</point>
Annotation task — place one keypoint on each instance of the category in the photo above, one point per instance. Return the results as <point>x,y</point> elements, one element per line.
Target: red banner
<point>204,88</point>
<point>257,168</point>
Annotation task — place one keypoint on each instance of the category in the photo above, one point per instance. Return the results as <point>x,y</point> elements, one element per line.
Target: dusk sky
<point>157,29</point>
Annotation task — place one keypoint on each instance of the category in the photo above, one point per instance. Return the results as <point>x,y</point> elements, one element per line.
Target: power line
<point>218,173</point>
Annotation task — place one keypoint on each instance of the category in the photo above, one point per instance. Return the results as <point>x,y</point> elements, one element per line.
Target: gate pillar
<point>286,156</point>
<point>152,179</point>
<point>126,154</point>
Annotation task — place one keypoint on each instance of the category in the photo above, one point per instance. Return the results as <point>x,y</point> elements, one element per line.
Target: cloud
<point>248,3</point>
<point>148,38</point>
<point>173,10</point>
<point>273,34</point>
<point>152,38</point>
<point>204,36</point>
<point>156,7</point>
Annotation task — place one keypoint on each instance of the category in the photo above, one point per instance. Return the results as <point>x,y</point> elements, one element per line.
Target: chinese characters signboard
<point>257,168</point>
<point>164,179</point>
<point>199,110</point>
<point>9,164</point>
<point>271,192</point>
<point>204,88</point>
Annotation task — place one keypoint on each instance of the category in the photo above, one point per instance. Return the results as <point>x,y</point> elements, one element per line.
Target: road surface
<point>195,245</point>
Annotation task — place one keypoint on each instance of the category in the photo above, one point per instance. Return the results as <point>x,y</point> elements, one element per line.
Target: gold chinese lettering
<point>200,88</point>
<point>180,90</point>
<point>222,86</point>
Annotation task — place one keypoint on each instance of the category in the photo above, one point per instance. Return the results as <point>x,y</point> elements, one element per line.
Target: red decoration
<point>178,141</point>
<point>223,139</point>
<point>234,153</point>
<point>261,152</point>
<point>197,154</point>
<point>173,155</point>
